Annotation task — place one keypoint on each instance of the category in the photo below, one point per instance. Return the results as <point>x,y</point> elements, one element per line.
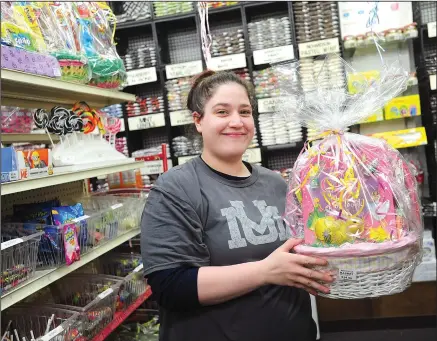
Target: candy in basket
<point>353,198</point>
<point>92,296</point>
<point>41,323</point>
<point>18,259</point>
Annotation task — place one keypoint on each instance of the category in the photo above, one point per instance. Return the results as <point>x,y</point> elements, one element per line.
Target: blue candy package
<point>66,214</point>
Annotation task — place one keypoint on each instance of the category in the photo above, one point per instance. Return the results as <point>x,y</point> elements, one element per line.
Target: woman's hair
<point>204,85</point>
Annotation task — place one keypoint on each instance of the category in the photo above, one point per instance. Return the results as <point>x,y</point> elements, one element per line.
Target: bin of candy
<point>41,323</point>
<point>18,259</point>
<point>94,297</point>
<point>16,120</point>
<point>352,198</point>
<point>144,331</point>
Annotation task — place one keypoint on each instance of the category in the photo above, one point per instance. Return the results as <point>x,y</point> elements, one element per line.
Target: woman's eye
<point>246,113</point>
<point>221,112</point>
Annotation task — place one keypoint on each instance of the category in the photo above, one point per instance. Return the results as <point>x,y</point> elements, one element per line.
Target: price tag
<point>270,104</point>
<point>349,275</point>
<point>273,55</point>
<point>107,292</point>
<point>141,76</point>
<point>233,61</point>
<point>50,335</point>
<point>183,69</point>
<point>146,121</point>
<point>432,82</point>
<point>431,29</point>
<point>319,47</point>
<point>181,117</point>
<point>11,242</point>
<point>122,127</point>
<point>114,207</point>
<point>252,155</point>
<point>183,159</point>
<point>138,268</point>
<point>152,167</point>
<point>76,220</point>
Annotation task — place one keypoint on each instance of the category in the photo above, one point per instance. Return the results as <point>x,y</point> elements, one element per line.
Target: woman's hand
<point>288,269</point>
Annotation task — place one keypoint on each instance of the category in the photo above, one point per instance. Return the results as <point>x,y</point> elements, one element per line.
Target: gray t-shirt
<point>196,217</point>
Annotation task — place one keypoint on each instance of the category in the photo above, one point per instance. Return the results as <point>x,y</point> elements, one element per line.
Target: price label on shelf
<point>50,335</point>
<point>76,220</point>
<point>431,29</point>
<point>122,127</point>
<point>273,55</point>
<point>106,293</point>
<point>252,155</point>
<point>183,159</point>
<point>141,76</point>
<point>270,104</point>
<point>183,69</point>
<point>181,117</point>
<point>138,268</point>
<point>432,82</point>
<point>319,47</point>
<point>230,62</point>
<point>146,121</point>
<point>152,167</point>
<point>11,242</point>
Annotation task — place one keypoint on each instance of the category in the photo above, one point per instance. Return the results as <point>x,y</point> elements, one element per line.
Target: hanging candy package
<point>352,198</point>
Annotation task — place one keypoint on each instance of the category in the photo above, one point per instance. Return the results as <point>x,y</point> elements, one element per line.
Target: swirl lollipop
<point>41,118</point>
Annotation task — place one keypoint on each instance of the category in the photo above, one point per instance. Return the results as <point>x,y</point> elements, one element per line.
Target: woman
<point>215,249</point>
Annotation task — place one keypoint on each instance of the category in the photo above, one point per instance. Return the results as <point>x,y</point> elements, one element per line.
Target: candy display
<point>269,33</point>
<point>243,74</point>
<point>353,198</point>
<point>314,71</point>
<point>185,146</point>
<point>148,331</point>
<point>227,42</point>
<point>16,120</point>
<point>121,145</point>
<point>151,151</point>
<point>268,83</point>
<point>275,129</point>
<point>163,9</point>
<point>115,110</point>
<point>316,20</point>
<point>177,93</point>
<point>144,106</point>
<point>142,57</point>
<point>133,11</point>
<point>18,259</point>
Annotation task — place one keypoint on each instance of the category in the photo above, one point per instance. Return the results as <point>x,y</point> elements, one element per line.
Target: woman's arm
<point>217,284</point>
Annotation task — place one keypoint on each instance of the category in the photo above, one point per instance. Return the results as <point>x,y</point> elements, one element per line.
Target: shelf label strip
<point>181,117</point>
<point>266,105</point>
<point>230,62</point>
<point>183,69</point>
<point>141,76</point>
<point>319,47</point>
<point>273,55</point>
<point>432,29</point>
<point>432,82</point>
<point>146,121</point>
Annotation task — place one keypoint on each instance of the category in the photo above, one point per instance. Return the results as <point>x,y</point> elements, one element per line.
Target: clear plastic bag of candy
<point>96,37</point>
<point>352,198</point>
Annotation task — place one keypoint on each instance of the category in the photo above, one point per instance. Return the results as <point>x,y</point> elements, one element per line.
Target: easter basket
<point>352,198</point>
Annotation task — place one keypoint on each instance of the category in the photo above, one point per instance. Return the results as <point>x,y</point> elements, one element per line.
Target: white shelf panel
<point>62,178</point>
<point>32,91</point>
<point>46,277</point>
<point>22,138</point>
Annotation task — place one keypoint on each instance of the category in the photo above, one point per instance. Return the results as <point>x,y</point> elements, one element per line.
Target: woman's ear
<point>197,118</point>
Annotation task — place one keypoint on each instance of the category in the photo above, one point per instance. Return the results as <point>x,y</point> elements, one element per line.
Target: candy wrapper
<point>352,198</point>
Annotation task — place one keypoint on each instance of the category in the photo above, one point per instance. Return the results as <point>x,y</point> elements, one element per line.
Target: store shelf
<point>32,91</point>
<point>57,179</point>
<point>120,317</point>
<point>173,18</point>
<point>298,145</point>
<point>133,24</point>
<point>23,138</point>
<point>46,277</point>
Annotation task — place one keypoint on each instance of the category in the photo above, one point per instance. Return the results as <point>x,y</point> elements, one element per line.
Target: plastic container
<point>18,260</point>
<point>93,297</point>
<point>32,320</point>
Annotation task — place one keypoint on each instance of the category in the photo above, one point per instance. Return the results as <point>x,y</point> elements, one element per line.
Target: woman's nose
<point>236,121</point>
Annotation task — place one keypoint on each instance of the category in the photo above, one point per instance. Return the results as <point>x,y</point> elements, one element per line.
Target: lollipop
<point>41,118</point>
<point>84,111</point>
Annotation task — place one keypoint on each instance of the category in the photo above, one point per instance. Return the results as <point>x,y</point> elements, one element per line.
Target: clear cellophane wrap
<point>352,198</point>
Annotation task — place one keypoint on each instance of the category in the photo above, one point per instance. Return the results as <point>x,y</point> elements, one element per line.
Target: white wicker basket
<point>373,276</point>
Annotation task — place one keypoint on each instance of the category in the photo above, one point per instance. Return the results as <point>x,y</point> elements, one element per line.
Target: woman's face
<point>227,126</point>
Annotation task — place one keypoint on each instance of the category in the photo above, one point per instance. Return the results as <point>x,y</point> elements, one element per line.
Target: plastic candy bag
<point>352,198</point>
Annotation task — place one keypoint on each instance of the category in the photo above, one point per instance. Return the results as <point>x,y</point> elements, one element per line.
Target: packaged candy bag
<point>352,198</point>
